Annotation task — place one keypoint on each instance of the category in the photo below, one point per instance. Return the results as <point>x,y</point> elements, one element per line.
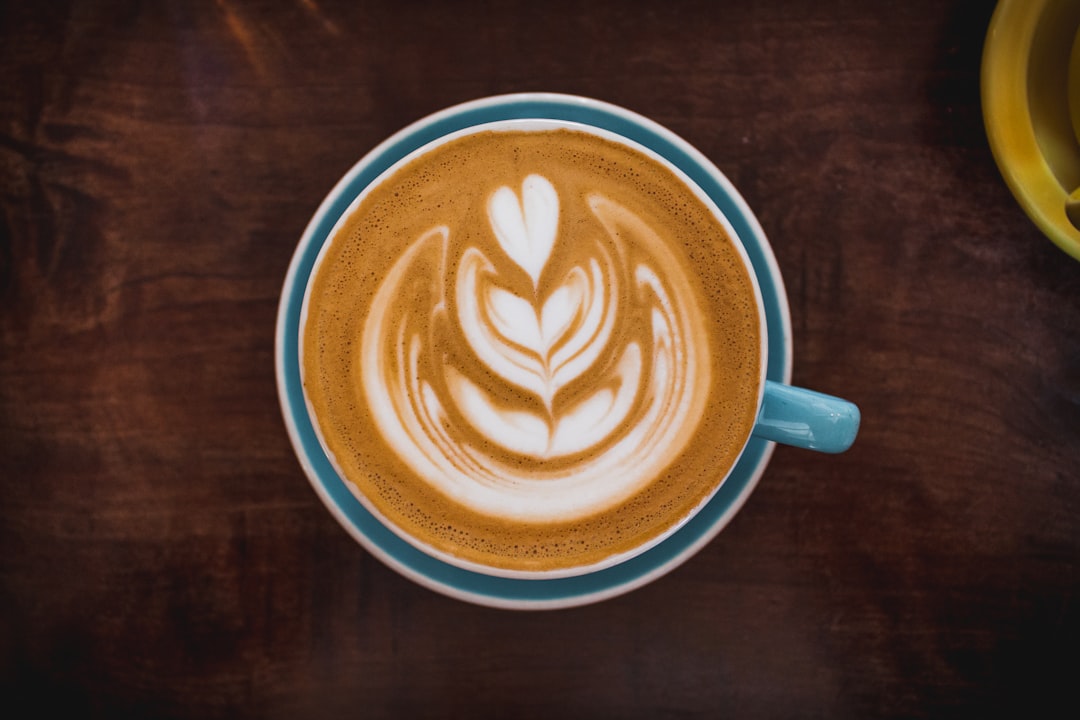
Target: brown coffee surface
<point>532,350</point>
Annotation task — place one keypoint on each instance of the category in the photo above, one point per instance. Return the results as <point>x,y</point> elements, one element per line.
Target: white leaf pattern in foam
<point>590,339</point>
<point>518,431</point>
<point>560,310</point>
<point>522,345</point>
<point>591,421</point>
<point>526,229</point>
<point>515,319</point>
<point>585,425</point>
<point>510,363</point>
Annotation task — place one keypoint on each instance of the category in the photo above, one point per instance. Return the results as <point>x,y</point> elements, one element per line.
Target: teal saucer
<point>471,586</point>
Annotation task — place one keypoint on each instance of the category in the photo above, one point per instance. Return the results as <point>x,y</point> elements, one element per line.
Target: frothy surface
<point>532,350</point>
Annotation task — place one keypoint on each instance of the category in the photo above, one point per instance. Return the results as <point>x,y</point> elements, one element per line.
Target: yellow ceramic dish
<point>1031,107</point>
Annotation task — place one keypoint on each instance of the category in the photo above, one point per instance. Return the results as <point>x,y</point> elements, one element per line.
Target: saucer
<point>1030,77</point>
<point>525,594</point>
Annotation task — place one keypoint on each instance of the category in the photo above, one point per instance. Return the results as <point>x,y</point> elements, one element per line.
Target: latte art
<point>531,350</point>
<point>555,415</point>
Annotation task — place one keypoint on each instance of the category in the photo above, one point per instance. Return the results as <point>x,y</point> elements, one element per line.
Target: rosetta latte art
<point>577,382</point>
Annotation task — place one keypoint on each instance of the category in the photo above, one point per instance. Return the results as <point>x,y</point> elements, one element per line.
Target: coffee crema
<point>532,350</point>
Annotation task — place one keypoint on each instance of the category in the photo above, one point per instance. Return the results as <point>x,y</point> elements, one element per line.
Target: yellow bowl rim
<point>1004,87</point>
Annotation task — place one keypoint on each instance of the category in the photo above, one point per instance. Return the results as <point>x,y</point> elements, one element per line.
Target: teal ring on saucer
<point>515,593</point>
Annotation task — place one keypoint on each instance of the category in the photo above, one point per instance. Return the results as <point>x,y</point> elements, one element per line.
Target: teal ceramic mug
<point>785,414</point>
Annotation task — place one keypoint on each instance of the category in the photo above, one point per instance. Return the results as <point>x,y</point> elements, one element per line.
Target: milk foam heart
<point>526,228</point>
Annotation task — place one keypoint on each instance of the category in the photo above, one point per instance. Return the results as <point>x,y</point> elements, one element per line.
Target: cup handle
<point>806,419</point>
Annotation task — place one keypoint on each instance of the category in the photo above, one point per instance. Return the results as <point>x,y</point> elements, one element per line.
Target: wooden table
<point>161,552</point>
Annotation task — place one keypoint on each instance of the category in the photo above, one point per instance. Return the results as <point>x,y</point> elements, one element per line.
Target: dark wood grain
<point>161,553</point>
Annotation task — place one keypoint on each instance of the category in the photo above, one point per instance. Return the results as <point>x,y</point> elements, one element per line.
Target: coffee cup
<point>530,344</point>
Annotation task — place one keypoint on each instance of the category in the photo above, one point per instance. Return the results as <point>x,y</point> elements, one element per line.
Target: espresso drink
<point>532,350</point>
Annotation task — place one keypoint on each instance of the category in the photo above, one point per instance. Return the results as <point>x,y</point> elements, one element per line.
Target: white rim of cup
<point>782,309</point>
